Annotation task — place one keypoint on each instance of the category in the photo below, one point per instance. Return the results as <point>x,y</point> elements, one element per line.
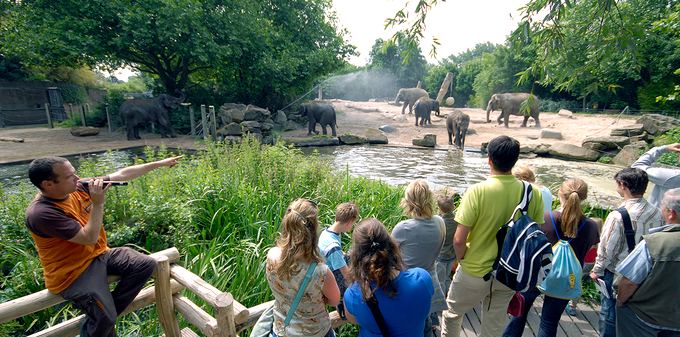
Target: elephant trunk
<point>396,99</point>
<point>488,111</point>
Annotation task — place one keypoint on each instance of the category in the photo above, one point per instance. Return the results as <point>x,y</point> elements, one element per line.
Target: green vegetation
<point>605,160</point>
<point>670,137</point>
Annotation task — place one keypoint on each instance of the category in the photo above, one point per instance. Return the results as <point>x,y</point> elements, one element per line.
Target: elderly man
<point>648,300</point>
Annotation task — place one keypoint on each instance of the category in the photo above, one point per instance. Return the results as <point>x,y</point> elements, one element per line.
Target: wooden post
<point>2,119</point>
<point>213,122</point>
<point>49,118</point>
<point>444,88</point>
<point>320,95</point>
<point>82,115</point>
<point>164,306</point>
<point>108,116</point>
<point>204,123</point>
<point>70,110</point>
<point>224,314</point>
<point>418,85</point>
<point>192,120</point>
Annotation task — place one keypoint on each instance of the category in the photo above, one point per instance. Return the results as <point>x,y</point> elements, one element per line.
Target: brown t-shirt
<point>52,223</point>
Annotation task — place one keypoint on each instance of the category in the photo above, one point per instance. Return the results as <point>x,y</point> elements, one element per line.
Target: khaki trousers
<point>465,292</point>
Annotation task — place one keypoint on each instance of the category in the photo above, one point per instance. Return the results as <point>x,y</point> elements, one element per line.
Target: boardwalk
<point>583,324</point>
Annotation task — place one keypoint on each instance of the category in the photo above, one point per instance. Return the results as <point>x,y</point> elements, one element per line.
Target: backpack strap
<point>627,228</point>
<point>578,230</point>
<point>379,319</point>
<point>552,218</point>
<point>300,292</point>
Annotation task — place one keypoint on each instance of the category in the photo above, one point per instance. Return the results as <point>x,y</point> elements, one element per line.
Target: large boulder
<point>565,113</point>
<point>280,118</point>
<point>350,139</point>
<point>569,151</point>
<point>251,126</point>
<point>387,128</point>
<point>374,136</point>
<point>237,115</point>
<point>628,131</point>
<point>231,129</point>
<point>429,140</point>
<point>84,131</point>
<point>542,149</point>
<point>254,113</point>
<point>551,134</point>
<point>224,114</point>
<point>655,124</point>
<point>605,143</point>
<point>291,125</point>
<point>630,153</point>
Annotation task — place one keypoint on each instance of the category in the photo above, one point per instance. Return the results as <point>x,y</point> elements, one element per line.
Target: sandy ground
<point>353,117</point>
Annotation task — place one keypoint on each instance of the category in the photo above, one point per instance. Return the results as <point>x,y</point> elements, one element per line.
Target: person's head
<point>571,194</point>
<point>417,201</point>
<point>445,203</point>
<point>503,153</point>
<point>53,175</point>
<point>523,172</point>
<point>298,239</point>
<point>375,257</point>
<point>346,214</point>
<point>670,206</point>
<point>632,179</point>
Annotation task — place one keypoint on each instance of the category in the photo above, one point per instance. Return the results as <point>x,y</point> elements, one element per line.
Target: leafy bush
<point>555,106</point>
<point>605,160</point>
<point>670,137</point>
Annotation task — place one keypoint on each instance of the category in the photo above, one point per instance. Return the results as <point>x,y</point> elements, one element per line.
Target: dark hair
<point>41,169</point>
<point>503,152</point>
<point>374,257</point>
<point>634,179</point>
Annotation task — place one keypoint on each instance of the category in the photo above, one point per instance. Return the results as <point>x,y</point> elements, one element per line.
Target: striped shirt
<point>613,248</point>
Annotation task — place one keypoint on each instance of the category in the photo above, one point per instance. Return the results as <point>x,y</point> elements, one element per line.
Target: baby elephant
<point>457,124</point>
<point>424,107</point>
<point>322,113</point>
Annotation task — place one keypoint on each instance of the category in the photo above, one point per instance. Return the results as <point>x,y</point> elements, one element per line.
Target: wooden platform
<point>585,323</point>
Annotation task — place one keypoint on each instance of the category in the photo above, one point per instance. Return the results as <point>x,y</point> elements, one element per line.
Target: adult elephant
<point>137,112</point>
<point>322,113</point>
<point>457,123</point>
<point>409,96</point>
<point>509,104</point>
<point>424,107</point>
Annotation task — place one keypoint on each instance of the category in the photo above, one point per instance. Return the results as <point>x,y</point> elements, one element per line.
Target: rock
<point>229,106</point>
<point>542,149</point>
<point>11,139</point>
<point>629,154</point>
<point>530,148</point>
<point>350,139</point>
<point>471,132</point>
<point>628,131</point>
<point>534,137</point>
<point>605,143</point>
<point>387,128</point>
<point>483,147</point>
<point>655,124</point>
<point>290,125</point>
<point>267,126</point>
<point>224,114</point>
<point>251,126</point>
<point>232,129</point>
<point>429,140</point>
<point>84,131</point>
<point>449,101</point>
<point>568,151</point>
<point>237,116</point>
<point>374,136</point>
<point>268,139</point>
<point>312,141</point>
<point>551,134</point>
<point>565,113</point>
<point>280,118</point>
<point>254,113</point>
<point>399,118</point>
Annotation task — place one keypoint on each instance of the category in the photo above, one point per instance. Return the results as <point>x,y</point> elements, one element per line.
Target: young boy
<point>330,245</point>
<point>447,256</point>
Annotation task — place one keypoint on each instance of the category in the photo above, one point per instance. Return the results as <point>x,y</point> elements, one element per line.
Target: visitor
<point>662,178</point>
<point>523,172</point>
<point>445,264</point>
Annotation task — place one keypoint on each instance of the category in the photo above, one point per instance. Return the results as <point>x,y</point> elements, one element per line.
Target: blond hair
<point>523,172</point>
<point>445,203</point>
<point>573,191</point>
<point>346,212</point>
<point>418,200</point>
<point>298,239</point>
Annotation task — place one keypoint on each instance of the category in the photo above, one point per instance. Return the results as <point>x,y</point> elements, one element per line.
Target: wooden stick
<point>195,315</point>
<point>49,117</point>
<point>166,311</point>
<point>224,314</point>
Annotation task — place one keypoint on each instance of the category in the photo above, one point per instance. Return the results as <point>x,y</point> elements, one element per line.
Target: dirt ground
<point>352,117</point>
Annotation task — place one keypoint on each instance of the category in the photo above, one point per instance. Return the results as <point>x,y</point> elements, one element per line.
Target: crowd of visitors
<point>420,279</point>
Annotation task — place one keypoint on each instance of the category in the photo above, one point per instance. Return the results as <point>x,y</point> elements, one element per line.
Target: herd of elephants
<point>138,112</point>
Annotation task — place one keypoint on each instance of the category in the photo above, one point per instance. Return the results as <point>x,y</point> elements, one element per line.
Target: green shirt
<point>485,207</point>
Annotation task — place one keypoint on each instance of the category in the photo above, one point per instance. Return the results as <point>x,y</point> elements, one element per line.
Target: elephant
<point>424,107</point>
<point>322,113</point>
<point>409,96</point>
<point>457,123</point>
<point>509,104</point>
<point>136,112</point>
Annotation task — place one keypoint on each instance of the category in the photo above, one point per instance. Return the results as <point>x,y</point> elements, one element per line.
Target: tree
<point>388,55</point>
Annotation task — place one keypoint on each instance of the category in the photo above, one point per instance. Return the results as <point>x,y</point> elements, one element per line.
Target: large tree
<point>389,55</point>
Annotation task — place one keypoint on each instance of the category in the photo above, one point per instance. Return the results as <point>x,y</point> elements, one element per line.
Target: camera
<point>112,183</point>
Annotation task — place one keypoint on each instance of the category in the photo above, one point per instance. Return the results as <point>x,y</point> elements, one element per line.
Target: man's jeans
<point>550,315</point>
<point>608,308</point>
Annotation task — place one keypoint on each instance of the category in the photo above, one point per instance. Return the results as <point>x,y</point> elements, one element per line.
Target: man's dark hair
<point>40,169</point>
<point>634,179</point>
<point>503,152</point>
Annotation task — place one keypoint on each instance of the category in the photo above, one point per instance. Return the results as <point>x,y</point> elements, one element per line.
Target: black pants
<point>90,291</point>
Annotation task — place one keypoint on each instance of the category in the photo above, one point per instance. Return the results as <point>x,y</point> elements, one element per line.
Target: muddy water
<point>458,170</point>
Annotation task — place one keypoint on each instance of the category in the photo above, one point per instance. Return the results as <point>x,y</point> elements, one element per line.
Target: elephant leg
<point>410,108</point>
<point>333,129</point>
<point>506,119</point>
<point>403,108</point>
<point>136,132</point>
<point>323,129</point>
<point>416,118</point>
<point>462,139</point>
<point>500,118</point>
<point>524,122</point>
<point>130,132</point>
<point>538,124</point>
<point>450,142</point>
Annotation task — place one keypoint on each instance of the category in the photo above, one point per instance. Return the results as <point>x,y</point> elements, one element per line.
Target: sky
<point>458,24</point>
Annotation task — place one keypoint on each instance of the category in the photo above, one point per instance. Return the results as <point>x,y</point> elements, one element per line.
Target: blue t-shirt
<point>330,246</point>
<point>404,314</point>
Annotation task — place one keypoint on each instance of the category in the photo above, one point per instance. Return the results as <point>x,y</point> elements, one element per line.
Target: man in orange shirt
<point>66,223</point>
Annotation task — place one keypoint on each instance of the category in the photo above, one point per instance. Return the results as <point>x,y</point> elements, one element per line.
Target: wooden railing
<point>231,317</point>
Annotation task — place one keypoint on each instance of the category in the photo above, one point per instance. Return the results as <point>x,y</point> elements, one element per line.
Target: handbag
<point>516,305</point>
<point>263,326</point>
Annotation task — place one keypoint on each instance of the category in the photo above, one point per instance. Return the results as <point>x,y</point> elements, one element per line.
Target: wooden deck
<point>585,323</point>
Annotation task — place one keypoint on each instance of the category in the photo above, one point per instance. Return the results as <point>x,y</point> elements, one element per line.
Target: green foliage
<point>555,106</point>
<point>669,137</point>
<point>11,69</point>
<point>389,55</point>
<point>72,93</point>
<point>605,160</point>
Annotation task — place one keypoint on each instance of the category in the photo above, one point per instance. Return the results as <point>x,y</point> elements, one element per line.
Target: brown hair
<point>445,203</point>
<point>346,212</point>
<point>523,172</point>
<point>573,191</point>
<point>298,239</point>
<point>417,201</point>
<point>374,258</point>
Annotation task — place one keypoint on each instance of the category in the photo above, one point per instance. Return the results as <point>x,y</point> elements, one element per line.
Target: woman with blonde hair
<point>294,256</point>
<point>582,233</point>
<point>384,295</point>
<point>420,239</point>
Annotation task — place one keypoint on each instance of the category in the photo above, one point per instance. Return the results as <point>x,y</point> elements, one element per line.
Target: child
<point>523,172</point>
<point>330,245</point>
<point>444,265</point>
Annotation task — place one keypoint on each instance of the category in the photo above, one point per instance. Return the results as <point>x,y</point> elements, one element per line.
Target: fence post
<point>108,116</point>
<point>82,115</point>
<point>224,315</point>
<point>213,122</point>
<point>320,94</point>
<point>164,305</point>
<point>49,118</point>
<point>204,123</point>
<point>192,120</point>
<point>70,110</point>
<point>2,119</point>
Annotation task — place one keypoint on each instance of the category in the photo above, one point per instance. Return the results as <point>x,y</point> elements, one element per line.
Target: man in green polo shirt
<point>485,207</point>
